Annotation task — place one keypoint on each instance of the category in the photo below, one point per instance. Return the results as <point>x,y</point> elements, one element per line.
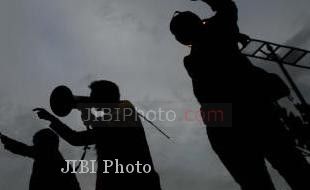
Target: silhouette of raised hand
<point>4,139</point>
<point>43,114</point>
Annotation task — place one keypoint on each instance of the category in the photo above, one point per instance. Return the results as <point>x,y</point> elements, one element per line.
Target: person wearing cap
<point>221,75</point>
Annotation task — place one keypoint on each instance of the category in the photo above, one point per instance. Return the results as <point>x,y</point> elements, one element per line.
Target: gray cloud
<point>73,42</point>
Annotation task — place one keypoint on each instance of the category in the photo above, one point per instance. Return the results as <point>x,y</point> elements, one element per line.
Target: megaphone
<point>62,101</point>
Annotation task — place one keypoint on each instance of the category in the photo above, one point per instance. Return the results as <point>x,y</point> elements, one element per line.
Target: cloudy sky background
<point>73,42</point>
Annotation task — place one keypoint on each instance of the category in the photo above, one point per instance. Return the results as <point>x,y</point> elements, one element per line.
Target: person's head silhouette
<point>186,26</point>
<point>46,139</point>
<point>104,97</point>
<point>104,91</point>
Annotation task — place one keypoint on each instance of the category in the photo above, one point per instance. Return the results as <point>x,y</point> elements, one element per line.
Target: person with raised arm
<point>221,76</point>
<point>119,138</point>
<point>48,161</point>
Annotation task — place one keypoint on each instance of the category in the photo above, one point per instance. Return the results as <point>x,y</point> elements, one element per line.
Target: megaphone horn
<point>62,101</point>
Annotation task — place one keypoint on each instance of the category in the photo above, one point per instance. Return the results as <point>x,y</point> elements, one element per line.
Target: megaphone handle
<point>82,157</point>
<point>88,127</point>
<point>85,151</point>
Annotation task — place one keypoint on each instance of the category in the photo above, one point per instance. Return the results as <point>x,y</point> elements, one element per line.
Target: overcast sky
<point>73,42</point>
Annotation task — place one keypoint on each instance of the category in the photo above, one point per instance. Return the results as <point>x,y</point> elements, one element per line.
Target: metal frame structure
<point>288,55</point>
<point>284,56</point>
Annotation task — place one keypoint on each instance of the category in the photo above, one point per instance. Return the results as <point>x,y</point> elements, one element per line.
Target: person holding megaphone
<point>117,133</point>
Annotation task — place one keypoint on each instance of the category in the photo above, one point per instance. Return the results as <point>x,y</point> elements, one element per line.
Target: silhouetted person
<point>48,161</point>
<point>221,74</point>
<point>118,134</point>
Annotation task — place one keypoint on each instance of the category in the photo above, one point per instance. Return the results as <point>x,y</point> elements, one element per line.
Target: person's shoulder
<point>126,104</point>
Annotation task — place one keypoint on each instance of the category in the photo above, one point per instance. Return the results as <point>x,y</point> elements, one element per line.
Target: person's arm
<point>226,12</point>
<point>17,147</point>
<point>227,18</point>
<point>74,138</point>
<point>221,6</point>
